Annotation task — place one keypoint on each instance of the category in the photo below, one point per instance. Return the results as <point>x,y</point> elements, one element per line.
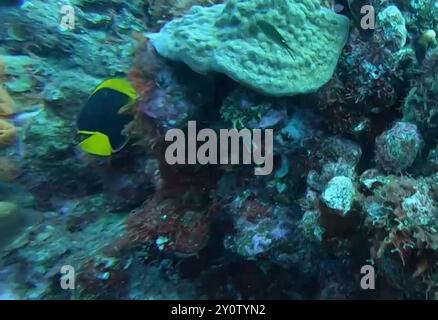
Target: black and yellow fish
<point>101,119</point>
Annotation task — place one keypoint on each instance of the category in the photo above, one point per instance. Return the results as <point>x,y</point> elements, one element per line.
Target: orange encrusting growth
<point>6,102</point>
<point>142,74</point>
<point>8,133</point>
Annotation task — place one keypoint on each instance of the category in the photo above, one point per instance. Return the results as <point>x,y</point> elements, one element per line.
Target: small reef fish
<point>101,120</point>
<point>272,33</point>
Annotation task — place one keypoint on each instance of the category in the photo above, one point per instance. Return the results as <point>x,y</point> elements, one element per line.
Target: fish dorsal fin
<point>121,85</point>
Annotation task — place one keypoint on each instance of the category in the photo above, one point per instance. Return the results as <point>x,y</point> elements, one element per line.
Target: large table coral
<point>279,48</point>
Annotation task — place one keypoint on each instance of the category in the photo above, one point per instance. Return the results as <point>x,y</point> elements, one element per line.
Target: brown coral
<point>8,133</point>
<point>145,65</point>
<point>6,102</point>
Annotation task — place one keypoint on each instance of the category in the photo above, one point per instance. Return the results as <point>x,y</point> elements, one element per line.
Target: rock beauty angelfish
<point>100,118</point>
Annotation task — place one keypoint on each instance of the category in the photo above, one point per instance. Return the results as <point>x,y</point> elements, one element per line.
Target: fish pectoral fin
<point>128,109</point>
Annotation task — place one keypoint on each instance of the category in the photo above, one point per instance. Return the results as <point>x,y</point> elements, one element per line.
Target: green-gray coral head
<point>226,38</point>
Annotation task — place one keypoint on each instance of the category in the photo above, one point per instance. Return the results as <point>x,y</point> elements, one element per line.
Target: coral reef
<point>339,194</point>
<point>391,31</point>
<point>397,148</point>
<point>420,105</point>
<point>354,116</point>
<point>401,213</point>
<point>169,227</point>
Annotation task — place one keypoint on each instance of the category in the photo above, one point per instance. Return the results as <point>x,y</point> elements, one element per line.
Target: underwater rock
<point>318,181</point>
<point>340,194</point>
<point>410,200</point>
<point>397,148</point>
<point>169,227</point>
<point>8,220</point>
<point>401,214</point>
<point>46,126</point>
<point>297,129</point>
<point>8,170</point>
<point>425,13</point>
<point>32,79</point>
<point>258,229</point>
<point>282,50</point>
<point>177,95</point>
<point>51,243</point>
<point>37,22</point>
<point>311,226</point>
<point>68,87</point>
<point>7,209</point>
<point>420,208</point>
<point>35,29</point>
<point>243,108</point>
<point>335,149</point>
<point>391,29</point>
<point>20,79</point>
<point>160,107</point>
<point>420,105</point>
<point>368,81</point>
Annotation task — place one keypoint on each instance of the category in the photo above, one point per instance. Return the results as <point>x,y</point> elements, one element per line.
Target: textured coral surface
<point>228,39</point>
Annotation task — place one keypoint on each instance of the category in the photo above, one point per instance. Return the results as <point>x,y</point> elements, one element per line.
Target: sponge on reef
<point>8,133</point>
<point>6,102</point>
<point>227,38</point>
